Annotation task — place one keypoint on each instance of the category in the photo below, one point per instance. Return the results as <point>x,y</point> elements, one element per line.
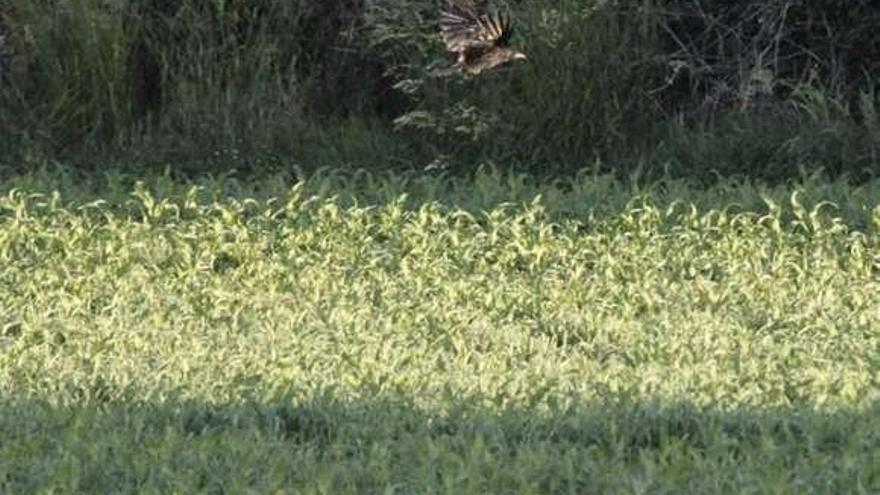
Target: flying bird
<point>479,39</point>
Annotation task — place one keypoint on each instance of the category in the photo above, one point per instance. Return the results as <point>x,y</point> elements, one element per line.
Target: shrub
<point>765,89</point>
<point>743,53</point>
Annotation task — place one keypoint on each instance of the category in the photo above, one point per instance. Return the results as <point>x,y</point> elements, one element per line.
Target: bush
<point>771,89</point>
<point>743,53</point>
<point>755,88</point>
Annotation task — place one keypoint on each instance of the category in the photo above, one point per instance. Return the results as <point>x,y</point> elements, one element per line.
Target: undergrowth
<point>690,89</point>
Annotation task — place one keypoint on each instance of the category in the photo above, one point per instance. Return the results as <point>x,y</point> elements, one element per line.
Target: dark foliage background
<point>766,89</point>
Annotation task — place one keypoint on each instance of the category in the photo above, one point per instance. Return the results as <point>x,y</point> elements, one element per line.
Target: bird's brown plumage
<point>478,39</point>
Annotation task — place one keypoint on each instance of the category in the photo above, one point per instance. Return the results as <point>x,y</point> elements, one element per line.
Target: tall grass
<point>217,85</point>
<point>72,82</point>
<point>179,79</point>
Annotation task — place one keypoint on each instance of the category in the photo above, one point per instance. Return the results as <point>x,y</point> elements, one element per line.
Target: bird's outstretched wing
<point>467,31</point>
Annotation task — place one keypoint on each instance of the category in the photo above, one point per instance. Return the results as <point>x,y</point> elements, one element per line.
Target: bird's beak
<point>520,56</point>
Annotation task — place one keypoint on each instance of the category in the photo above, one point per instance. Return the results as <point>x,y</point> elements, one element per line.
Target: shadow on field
<point>368,446</point>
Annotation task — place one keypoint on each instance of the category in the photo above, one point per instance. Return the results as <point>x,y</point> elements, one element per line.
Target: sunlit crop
<point>396,334</point>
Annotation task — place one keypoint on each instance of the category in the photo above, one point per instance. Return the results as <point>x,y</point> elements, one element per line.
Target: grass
<point>453,331</point>
<point>343,84</point>
<point>360,333</point>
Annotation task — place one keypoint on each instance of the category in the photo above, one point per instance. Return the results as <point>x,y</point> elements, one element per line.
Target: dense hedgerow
<point>765,89</point>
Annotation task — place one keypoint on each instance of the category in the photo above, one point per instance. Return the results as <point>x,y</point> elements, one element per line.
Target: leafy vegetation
<point>394,333</point>
<point>765,89</point>
<point>249,247</point>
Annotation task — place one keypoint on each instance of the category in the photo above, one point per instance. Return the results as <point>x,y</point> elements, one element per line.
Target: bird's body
<point>478,39</point>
